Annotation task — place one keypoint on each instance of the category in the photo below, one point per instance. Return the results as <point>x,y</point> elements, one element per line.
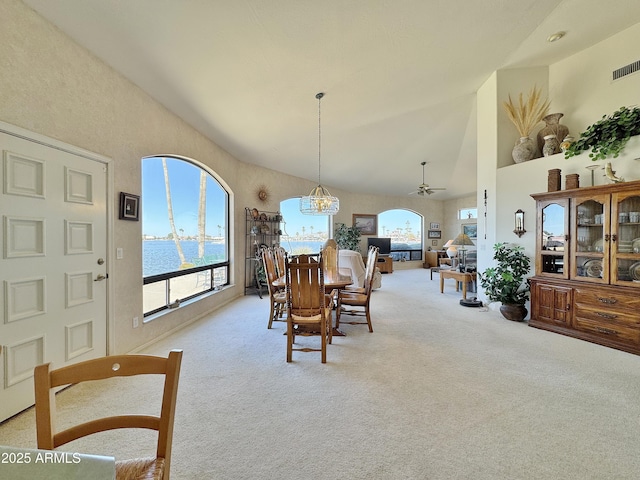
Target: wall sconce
<point>519,230</point>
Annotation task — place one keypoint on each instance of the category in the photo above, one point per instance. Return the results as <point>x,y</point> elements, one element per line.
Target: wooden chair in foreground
<point>277,298</point>
<point>308,307</point>
<point>359,299</point>
<point>46,380</point>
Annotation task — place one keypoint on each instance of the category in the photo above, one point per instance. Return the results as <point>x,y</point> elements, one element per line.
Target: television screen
<point>383,244</point>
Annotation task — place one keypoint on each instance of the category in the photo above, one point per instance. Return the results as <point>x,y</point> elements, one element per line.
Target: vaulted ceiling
<point>399,77</point>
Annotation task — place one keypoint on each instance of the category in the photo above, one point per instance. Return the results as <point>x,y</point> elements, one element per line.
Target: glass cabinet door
<point>552,238</point>
<point>625,239</point>
<point>590,239</point>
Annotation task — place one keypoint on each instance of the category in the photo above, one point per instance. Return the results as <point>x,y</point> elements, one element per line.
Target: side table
<point>458,277</point>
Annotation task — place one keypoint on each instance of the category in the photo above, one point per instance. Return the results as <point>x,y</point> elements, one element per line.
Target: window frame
<point>209,269</point>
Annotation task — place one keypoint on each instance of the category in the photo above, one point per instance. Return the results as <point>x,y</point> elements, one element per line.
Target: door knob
<point>99,278</point>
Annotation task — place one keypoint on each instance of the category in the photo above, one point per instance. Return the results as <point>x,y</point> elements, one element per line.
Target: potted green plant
<point>347,238</point>
<point>608,136</point>
<point>505,282</point>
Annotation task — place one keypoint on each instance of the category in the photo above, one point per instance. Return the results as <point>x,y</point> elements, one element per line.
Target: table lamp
<point>461,241</point>
<point>452,252</point>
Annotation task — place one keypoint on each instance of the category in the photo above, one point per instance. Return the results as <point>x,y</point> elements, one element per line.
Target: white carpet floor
<point>438,391</point>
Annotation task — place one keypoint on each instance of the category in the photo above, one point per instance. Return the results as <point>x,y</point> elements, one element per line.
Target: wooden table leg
<point>441,284</point>
<point>464,289</point>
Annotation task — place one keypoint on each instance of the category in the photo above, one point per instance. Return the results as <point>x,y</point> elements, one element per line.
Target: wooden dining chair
<point>281,262</point>
<point>359,301</point>
<point>330,255</point>
<point>47,382</point>
<point>277,297</point>
<point>369,269</point>
<point>308,307</point>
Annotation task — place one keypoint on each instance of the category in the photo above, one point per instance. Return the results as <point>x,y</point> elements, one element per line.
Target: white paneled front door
<point>53,265</point>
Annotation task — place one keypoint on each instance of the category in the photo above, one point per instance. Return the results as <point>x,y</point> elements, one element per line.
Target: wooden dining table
<point>333,280</point>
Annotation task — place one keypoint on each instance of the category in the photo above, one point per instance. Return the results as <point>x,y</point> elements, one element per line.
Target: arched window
<point>302,233</point>
<point>404,227</point>
<point>185,243</point>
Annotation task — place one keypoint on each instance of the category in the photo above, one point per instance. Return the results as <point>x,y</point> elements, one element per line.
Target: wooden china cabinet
<point>587,264</point>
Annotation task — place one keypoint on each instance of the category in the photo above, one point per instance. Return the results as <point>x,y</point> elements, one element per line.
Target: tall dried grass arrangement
<point>526,115</point>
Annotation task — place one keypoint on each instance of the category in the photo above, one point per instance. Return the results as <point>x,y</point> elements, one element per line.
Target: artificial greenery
<point>607,136</point>
<point>505,282</point>
<point>347,238</point>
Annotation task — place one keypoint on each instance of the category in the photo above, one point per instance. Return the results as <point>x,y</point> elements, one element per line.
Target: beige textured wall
<point>454,225</point>
<point>52,86</point>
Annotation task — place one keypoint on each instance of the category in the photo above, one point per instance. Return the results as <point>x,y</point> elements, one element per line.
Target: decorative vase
<point>513,312</point>
<point>552,127</point>
<point>524,150</point>
<point>551,145</point>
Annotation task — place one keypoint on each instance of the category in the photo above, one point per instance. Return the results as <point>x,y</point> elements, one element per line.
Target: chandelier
<point>319,201</point>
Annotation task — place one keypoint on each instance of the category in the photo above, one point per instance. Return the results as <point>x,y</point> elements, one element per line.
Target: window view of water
<point>161,256</point>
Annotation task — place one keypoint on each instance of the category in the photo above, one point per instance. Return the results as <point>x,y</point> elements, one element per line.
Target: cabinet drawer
<point>618,326</point>
<point>607,300</point>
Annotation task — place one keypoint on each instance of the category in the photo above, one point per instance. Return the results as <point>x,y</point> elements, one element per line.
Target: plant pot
<point>513,312</point>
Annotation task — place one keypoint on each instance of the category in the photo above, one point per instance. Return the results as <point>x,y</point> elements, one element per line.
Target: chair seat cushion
<point>140,469</point>
<point>350,289</point>
<point>311,319</point>
<point>352,298</point>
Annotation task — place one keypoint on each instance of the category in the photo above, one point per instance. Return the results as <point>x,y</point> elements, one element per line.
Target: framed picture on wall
<point>470,229</point>
<point>434,234</point>
<point>129,206</point>
<point>434,243</point>
<point>367,224</point>
<point>434,226</point>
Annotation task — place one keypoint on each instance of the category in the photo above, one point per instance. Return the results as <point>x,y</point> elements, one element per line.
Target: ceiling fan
<point>423,187</point>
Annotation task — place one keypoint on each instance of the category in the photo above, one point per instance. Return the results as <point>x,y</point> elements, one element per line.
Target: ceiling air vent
<point>626,70</point>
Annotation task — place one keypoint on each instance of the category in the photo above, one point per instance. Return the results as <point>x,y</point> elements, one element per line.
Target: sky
<point>294,220</point>
<point>184,180</point>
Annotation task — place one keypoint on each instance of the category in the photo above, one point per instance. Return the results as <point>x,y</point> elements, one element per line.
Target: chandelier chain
<point>319,97</point>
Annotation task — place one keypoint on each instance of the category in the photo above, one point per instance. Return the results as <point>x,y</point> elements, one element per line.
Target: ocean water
<point>161,256</point>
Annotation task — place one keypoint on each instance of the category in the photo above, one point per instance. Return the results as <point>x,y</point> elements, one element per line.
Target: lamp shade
<point>462,240</point>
